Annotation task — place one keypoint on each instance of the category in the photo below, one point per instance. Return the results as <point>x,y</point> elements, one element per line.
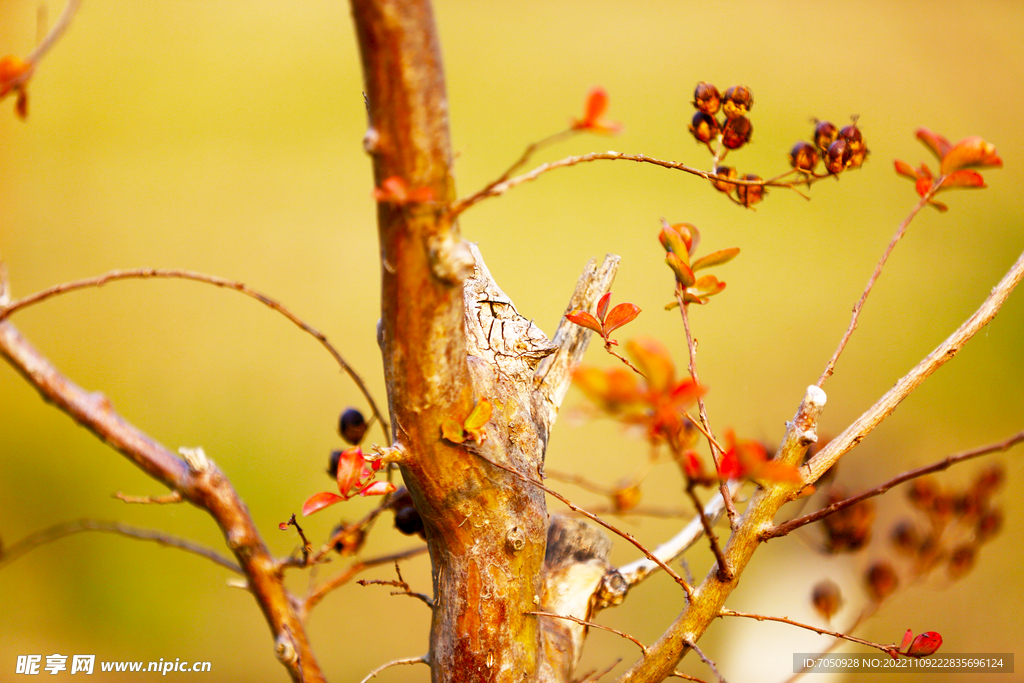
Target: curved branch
<point>144,273</point>
<point>194,476</point>
<point>59,531</point>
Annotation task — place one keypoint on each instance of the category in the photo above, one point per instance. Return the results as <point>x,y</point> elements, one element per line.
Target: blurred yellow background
<point>224,137</point>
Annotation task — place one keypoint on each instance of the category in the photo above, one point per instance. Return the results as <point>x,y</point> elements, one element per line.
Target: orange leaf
<point>586,320</point>
<point>715,258</point>
<point>453,431</point>
<point>684,275</point>
<point>970,152</point>
<point>654,361</point>
<point>13,71</point>
<point>906,170</point>
<point>939,145</point>
<point>319,502</point>
<point>619,316</point>
<point>963,178</point>
<point>377,488</point>
<point>597,104</point>
<point>350,469</point>
<point>479,416</point>
<point>779,472</point>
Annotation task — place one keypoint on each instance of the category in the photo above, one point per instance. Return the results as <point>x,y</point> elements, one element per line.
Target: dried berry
<point>352,426</point>
<point>825,133</point>
<point>837,158</point>
<point>803,157</point>
<point>881,581</point>
<point>922,492</point>
<point>332,464</point>
<point>848,529</point>
<point>704,127</point>
<point>855,141</point>
<point>407,517</point>
<point>826,598</point>
<point>961,561</point>
<point>989,525</point>
<point>626,496</point>
<point>725,172</point>
<point>989,480</point>
<point>905,538</point>
<point>750,194</point>
<point>737,101</point>
<point>736,132</point>
<point>347,539</point>
<point>706,98</point>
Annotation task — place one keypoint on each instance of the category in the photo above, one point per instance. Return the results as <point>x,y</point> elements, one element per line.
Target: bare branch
<point>58,531</point>
<point>424,659</point>
<point>584,622</point>
<point>197,479</point>
<point>319,593</point>
<point>401,585</point>
<point>900,231</point>
<point>670,550</point>
<point>856,432</point>
<point>787,527</point>
<point>497,189</point>
<point>144,273</point>
<point>172,497</point>
<point>707,660</point>
<point>888,649</point>
<point>63,21</point>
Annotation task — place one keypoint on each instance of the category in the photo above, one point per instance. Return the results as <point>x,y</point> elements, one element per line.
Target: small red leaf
<point>619,316</point>
<point>939,145</point>
<point>963,178</point>
<point>909,635</point>
<point>602,306</point>
<point>970,152</point>
<point>586,320</point>
<point>925,644</point>
<point>319,502</point>
<point>350,469</point>
<point>283,526</point>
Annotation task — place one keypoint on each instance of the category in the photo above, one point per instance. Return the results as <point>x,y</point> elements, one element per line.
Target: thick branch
<point>195,477</point>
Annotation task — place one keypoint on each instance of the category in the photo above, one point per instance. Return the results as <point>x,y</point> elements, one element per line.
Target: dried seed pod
<point>738,101</point>
<point>905,538</point>
<point>803,157</point>
<point>704,127</point>
<point>922,492</point>
<point>825,133</point>
<point>826,598</point>
<point>990,524</point>
<point>725,172</point>
<point>848,529</point>
<point>352,426</point>
<point>837,158</point>
<point>348,538</point>
<point>736,132</point>
<point>750,194</point>
<point>881,581</point>
<point>989,480</point>
<point>961,561</point>
<point>855,141</point>
<point>706,98</point>
<point>407,517</point>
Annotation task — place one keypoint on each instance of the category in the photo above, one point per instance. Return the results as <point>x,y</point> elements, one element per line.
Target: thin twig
<point>321,591</point>
<point>172,497</point>
<point>461,205</point>
<point>888,649</point>
<point>707,660</point>
<point>400,583</point>
<point>716,450</point>
<point>578,480</point>
<point>307,547</point>
<point>686,677</point>
<point>724,572</point>
<point>594,676</point>
<point>591,516</point>
<point>787,527</point>
<point>900,231</point>
<point>58,531</point>
<point>855,433</point>
<point>63,21</point>
<point>423,659</point>
<point>861,618</point>
<point>143,273</point>
<point>583,622</point>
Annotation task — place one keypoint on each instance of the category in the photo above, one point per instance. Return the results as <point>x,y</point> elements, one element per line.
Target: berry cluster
<point>838,149</point>
<point>730,132</point>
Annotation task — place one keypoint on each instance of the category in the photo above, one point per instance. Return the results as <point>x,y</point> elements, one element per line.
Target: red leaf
<point>283,526</point>
<point>586,320</point>
<point>906,170</point>
<point>907,638</point>
<point>925,644</point>
<point>602,306</point>
<point>692,465</point>
<point>619,316</point>
<point>684,275</point>
<point>593,114</point>
<point>319,502</point>
<point>350,469</point>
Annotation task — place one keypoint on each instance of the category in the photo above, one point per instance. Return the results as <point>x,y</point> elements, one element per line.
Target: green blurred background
<point>224,137</point>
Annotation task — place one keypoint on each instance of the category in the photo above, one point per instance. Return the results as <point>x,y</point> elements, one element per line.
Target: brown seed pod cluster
<point>837,149</point>
<point>721,120</point>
